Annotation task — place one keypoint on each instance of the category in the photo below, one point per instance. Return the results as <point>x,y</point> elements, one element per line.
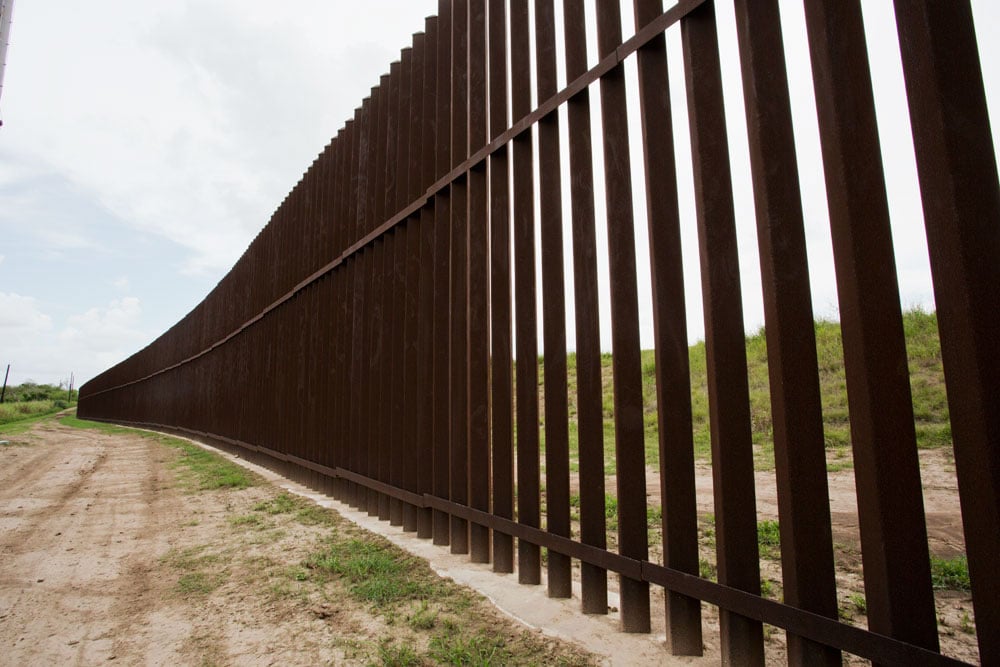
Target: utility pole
<point>6,10</point>
<point>69,396</point>
<point>3,392</point>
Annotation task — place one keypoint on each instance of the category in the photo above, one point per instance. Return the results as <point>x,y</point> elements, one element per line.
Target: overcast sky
<point>145,143</point>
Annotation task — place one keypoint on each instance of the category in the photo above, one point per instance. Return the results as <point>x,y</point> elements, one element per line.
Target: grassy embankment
<point>28,403</point>
<point>930,405</point>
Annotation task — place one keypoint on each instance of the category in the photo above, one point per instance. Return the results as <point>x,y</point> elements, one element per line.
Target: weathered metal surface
<point>501,370</point>
<point>961,197</point>
<point>894,551</point>
<point>737,557</point>
<point>796,412</point>
<point>590,407</point>
<point>525,309</point>
<point>558,571</point>
<point>673,375</point>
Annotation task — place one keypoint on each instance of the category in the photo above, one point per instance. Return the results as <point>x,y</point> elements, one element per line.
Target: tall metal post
<point>3,392</point>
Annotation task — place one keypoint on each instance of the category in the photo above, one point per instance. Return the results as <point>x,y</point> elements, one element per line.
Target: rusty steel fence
<point>366,340</point>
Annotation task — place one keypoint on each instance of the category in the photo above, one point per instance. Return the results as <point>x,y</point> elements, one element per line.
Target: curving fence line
<point>365,340</point>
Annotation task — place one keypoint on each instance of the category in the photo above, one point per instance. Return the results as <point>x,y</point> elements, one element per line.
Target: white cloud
<point>43,350</point>
<point>21,318</point>
<point>102,328</point>
<point>121,283</point>
<point>193,122</point>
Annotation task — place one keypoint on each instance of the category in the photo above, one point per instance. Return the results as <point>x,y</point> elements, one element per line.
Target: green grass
<point>75,422</point>
<point>16,418</point>
<point>15,412</point>
<point>930,407</point>
<point>769,539</point>
<point>201,571</point>
<point>951,573</point>
<point>454,648</point>
<point>198,583</point>
<point>200,469</point>
<point>397,655</point>
<point>373,571</point>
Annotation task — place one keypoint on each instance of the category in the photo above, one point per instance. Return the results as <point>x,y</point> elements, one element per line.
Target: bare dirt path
<point>108,553</point>
<point>81,529</point>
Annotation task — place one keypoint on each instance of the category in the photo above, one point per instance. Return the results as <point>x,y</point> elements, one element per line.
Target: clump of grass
<point>966,625</point>
<point>251,520</point>
<point>768,538</point>
<point>423,618</point>
<point>207,470</point>
<point>397,655</point>
<point>859,602</point>
<point>453,648</point>
<point>198,583</point>
<point>374,572</point>
<point>202,571</point>
<point>951,573</point>
<point>280,504</point>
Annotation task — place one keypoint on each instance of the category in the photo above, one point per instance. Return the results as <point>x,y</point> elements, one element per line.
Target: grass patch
<point>202,571</point>
<point>769,538</point>
<point>201,469</point>
<point>75,422</point>
<point>423,618</point>
<point>14,422</point>
<point>307,513</point>
<point>374,572</point>
<point>249,520</point>
<point>206,470</point>
<point>454,648</point>
<point>199,583</point>
<point>950,573</point>
<point>280,504</point>
<point>397,655</point>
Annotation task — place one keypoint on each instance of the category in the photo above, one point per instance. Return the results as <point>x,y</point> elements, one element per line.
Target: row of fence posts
<point>372,328</point>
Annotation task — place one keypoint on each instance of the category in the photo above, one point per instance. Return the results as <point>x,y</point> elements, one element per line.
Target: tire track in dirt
<point>84,549</point>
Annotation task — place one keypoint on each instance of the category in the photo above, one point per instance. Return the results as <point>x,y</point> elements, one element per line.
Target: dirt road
<point>81,533</point>
<point>108,554</point>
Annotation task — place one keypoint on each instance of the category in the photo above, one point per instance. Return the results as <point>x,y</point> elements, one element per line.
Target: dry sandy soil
<point>106,555</point>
